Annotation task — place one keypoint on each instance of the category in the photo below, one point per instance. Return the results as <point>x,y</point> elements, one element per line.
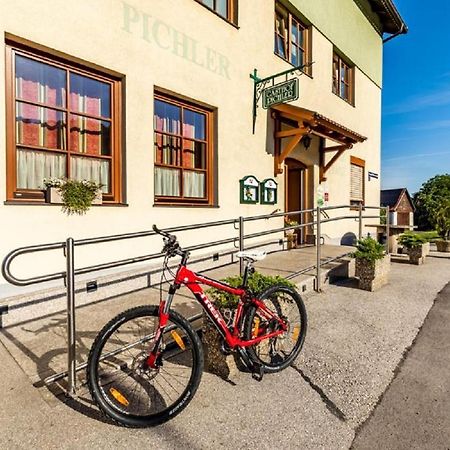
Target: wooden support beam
<point>290,146</point>
<point>335,148</point>
<point>286,151</point>
<point>333,160</point>
<point>322,176</point>
<point>326,136</point>
<point>323,168</point>
<point>289,133</point>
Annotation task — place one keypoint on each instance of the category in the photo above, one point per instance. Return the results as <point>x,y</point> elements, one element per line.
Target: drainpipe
<point>403,30</point>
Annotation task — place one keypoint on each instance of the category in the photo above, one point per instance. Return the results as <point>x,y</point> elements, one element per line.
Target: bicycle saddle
<point>254,255</point>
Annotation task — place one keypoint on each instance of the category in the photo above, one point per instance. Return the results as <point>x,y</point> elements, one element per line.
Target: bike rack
<point>70,273</point>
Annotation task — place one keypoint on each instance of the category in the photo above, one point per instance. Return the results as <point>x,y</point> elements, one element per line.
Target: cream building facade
<point>154,100</point>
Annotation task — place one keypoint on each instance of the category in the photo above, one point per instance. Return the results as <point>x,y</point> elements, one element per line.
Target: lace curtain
<point>167,183</point>
<point>33,167</point>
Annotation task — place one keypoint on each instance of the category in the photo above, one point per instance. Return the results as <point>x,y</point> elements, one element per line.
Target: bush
<point>412,240</point>
<point>430,198</point>
<point>257,283</point>
<point>442,219</point>
<point>429,236</point>
<point>369,249</point>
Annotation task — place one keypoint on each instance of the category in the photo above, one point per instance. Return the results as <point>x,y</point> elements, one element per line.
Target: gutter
<point>403,30</point>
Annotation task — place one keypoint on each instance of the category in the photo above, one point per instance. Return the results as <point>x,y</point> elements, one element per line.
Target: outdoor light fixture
<point>306,141</point>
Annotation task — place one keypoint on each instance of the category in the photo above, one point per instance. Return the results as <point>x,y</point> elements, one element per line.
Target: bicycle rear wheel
<point>120,384</point>
<point>277,353</point>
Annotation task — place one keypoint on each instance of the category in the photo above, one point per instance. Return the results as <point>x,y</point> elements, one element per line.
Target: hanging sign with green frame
<point>249,189</point>
<point>269,192</point>
<point>273,93</point>
<point>287,91</point>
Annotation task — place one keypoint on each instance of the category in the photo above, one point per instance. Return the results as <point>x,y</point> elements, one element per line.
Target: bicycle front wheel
<point>123,387</point>
<point>277,353</point>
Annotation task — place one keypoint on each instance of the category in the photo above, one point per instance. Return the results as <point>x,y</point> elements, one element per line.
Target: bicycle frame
<point>193,282</point>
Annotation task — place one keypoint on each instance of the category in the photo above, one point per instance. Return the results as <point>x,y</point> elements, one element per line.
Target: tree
<point>430,199</point>
<point>443,220</point>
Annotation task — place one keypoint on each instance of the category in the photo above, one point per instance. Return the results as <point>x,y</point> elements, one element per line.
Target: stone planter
<point>417,255</point>
<point>52,195</point>
<point>216,362</point>
<point>373,276</point>
<point>443,246</point>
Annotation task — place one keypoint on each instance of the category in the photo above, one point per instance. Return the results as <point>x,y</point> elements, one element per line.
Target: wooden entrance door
<point>295,192</point>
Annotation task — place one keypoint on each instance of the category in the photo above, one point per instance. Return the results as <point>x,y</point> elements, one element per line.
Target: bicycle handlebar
<point>162,233</point>
<point>171,246</point>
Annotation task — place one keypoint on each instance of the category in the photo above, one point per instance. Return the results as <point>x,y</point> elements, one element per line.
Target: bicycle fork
<point>164,307</point>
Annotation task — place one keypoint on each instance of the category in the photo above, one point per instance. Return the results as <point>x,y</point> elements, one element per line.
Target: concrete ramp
<point>36,336</point>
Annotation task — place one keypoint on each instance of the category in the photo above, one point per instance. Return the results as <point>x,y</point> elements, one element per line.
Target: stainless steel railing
<point>239,242</point>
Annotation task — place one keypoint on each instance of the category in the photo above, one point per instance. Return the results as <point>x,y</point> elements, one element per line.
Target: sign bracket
<point>260,84</point>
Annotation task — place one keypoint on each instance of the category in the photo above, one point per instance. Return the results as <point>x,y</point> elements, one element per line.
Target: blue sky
<point>416,97</point>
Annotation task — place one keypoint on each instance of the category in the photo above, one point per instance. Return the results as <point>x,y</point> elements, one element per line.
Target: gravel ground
<point>413,413</point>
<point>357,338</point>
<point>354,343</point>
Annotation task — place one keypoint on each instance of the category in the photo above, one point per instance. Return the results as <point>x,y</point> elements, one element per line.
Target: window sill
<point>41,203</point>
<point>218,15</point>
<point>288,62</point>
<point>183,205</point>
<point>344,99</point>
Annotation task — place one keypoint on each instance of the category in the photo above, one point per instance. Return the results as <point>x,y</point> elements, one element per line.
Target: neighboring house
<point>153,99</point>
<point>401,206</point>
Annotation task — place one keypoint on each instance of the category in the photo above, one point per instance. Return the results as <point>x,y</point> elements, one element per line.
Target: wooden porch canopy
<point>304,122</point>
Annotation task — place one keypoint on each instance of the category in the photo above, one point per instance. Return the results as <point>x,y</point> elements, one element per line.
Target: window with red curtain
<point>64,125</point>
<point>183,152</point>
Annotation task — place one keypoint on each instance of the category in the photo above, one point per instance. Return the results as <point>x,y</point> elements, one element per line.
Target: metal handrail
<point>119,237</point>
<point>280,214</point>
<point>69,249</point>
<point>6,265</point>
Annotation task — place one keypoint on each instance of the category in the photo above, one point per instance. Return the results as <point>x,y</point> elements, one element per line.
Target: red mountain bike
<point>145,365</point>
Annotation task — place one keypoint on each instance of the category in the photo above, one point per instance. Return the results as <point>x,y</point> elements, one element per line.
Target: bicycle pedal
<point>258,373</point>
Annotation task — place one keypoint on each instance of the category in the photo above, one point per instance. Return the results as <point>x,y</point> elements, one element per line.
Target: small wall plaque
<point>269,192</point>
<point>249,189</point>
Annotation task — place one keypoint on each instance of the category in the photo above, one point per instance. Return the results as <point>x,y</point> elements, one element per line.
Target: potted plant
<point>416,245</point>
<point>442,219</point>
<point>216,360</point>
<point>53,190</point>
<point>76,196</point>
<point>372,264</point>
<point>291,233</point>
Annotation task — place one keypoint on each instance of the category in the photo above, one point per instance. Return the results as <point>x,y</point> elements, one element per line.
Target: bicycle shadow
<point>53,362</point>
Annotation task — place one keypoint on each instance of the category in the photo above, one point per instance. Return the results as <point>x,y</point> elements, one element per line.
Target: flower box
<point>98,200</point>
<point>373,275</point>
<point>443,246</point>
<point>418,254</point>
<point>53,195</point>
